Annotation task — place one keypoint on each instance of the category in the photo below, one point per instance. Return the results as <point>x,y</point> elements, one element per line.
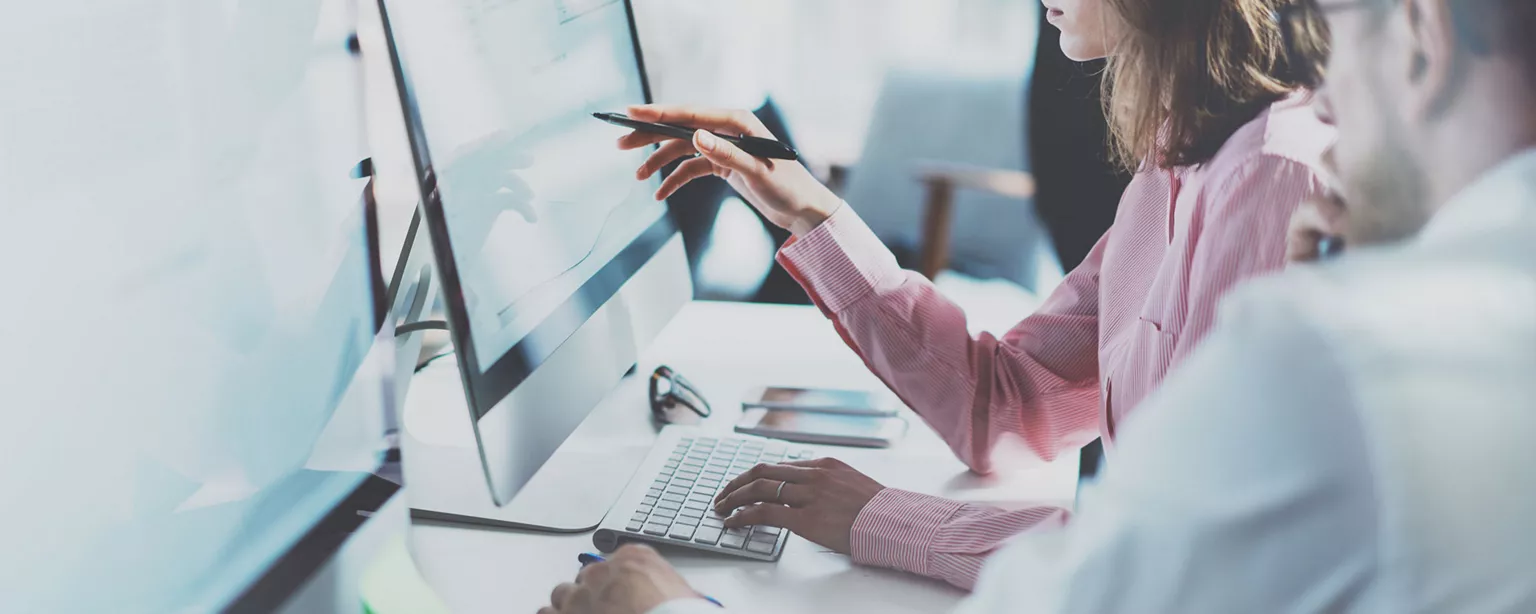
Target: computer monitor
<point>556,265</point>
<point>192,381</point>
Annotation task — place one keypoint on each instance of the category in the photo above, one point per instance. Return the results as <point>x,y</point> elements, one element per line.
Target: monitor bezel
<point>485,388</point>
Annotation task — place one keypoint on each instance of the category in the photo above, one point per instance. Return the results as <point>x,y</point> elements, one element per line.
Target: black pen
<point>757,146</point>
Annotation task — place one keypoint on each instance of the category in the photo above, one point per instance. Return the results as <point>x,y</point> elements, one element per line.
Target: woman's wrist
<point>812,215</point>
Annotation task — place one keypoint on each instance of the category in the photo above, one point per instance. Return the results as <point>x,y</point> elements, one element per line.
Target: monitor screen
<point>191,378</point>
<point>542,211</point>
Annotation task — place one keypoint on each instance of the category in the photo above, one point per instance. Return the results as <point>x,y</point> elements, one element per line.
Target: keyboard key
<point>760,547</point>
<point>669,505</point>
<point>708,483</point>
<point>656,529</point>
<point>676,490</point>
<point>683,483</point>
<point>762,537</point>
<point>683,531</point>
<point>733,541</point>
<point>666,515</point>
<point>634,526</point>
<point>677,498</point>
<point>713,522</point>
<point>707,535</point>
<point>696,505</point>
<point>713,475</point>
<point>701,498</point>
<point>645,509</point>
<point>671,464</point>
<point>689,519</point>
<point>742,532</point>
<point>649,501</point>
<point>688,475</point>
<point>762,530</point>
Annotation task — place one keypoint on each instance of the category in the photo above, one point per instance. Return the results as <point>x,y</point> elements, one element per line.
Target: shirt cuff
<point>897,528</point>
<point>841,261</point>
<point>686,606</point>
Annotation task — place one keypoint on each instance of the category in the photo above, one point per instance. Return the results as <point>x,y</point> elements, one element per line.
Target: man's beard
<point>1389,197</point>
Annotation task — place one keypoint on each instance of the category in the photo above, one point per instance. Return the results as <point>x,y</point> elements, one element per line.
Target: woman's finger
<point>719,120</point>
<point>729,156</point>
<point>684,173</point>
<point>767,491</point>
<point>638,139</point>
<point>781,472</point>
<point>666,154</point>
<point>769,515</point>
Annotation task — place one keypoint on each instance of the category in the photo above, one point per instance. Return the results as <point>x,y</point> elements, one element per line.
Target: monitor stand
<point>445,478</point>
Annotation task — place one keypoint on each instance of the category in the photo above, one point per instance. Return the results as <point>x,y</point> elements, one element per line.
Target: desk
<point>727,349</point>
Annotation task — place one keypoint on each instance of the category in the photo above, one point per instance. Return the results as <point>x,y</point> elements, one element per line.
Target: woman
<point>1223,147</point>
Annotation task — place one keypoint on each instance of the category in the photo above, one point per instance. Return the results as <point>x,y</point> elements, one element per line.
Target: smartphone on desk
<point>822,400</point>
<point>822,428</point>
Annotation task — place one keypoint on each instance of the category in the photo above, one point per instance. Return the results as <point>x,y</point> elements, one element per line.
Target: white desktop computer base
<point>446,479</point>
<point>446,476</point>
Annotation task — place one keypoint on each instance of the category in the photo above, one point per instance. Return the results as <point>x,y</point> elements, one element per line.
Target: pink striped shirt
<point>1072,371</point>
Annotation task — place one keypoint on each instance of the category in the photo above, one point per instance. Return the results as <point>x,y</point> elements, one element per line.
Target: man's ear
<point>1433,68</point>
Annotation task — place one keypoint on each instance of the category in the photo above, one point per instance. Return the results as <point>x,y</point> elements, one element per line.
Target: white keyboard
<point>671,498</point>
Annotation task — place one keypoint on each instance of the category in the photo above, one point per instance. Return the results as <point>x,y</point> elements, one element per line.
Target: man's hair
<point>1506,27</point>
<point>1188,73</point>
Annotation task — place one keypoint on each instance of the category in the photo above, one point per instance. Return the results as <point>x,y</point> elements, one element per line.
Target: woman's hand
<point>633,581</point>
<point>783,191</point>
<point>819,499</point>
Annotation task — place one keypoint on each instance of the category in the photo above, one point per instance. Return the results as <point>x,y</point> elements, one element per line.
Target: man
<point>1355,436</point>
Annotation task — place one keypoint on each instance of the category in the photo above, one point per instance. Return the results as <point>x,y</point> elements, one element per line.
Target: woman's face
<point>1085,27</point>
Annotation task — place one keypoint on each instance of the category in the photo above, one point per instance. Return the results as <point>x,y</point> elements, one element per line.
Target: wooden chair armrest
<point>942,180</point>
<point>1010,183</point>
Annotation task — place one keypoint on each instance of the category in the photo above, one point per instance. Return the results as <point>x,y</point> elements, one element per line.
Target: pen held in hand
<point>757,146</point>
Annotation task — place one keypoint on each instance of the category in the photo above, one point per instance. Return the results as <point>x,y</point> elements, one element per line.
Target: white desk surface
<point>726,349</point>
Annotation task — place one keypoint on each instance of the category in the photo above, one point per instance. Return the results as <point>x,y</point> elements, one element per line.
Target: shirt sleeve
<point>1039,382</point>
<point>939,538</point>
<point>1242,236</point>
<point>1245,487</point>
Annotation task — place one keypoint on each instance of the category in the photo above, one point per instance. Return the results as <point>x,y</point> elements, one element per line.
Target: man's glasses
<point>1304,32</point>
<point>674,400</point>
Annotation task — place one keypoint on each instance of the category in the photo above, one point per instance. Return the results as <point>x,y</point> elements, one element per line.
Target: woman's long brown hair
<point>1186,74</point>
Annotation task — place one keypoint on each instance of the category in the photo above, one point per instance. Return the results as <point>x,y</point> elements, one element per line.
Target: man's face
<point>1373,163</point>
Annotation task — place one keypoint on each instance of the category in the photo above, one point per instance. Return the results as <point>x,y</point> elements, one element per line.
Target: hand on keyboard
<point>678,504</point>
<point>817,499</point>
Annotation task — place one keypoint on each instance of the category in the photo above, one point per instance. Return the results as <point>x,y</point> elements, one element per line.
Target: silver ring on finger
<point>779,495</point>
